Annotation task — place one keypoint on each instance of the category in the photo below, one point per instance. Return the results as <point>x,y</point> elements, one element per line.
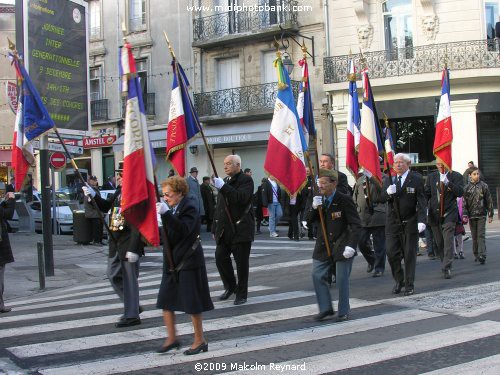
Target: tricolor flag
<point>444,129</point>
<point>370,144</point>
<point>182,120</point>
<point>304,104</point>
<point>353,123</point>
<point>389,151</point>
<point>138,201</point>
<point>285,149</point>
<point>22,151</point>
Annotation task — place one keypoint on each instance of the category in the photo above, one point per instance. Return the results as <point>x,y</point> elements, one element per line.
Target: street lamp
<point>287,62</point>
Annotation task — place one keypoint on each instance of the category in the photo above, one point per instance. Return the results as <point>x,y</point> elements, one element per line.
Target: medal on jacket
<point>117,220</point>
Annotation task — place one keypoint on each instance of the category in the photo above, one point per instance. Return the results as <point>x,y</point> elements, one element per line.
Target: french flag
<point>304,103</point>
<point>182,121</point>
<point>22,150</point>
<point>389,150</point>
<point>370,144</point>
<point>353,124</point>
<point>138,201</point>
<point>444,130</point>
<point>285,149</point>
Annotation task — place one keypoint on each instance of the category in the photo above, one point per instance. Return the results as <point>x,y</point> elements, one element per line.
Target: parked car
<point>64,212</point>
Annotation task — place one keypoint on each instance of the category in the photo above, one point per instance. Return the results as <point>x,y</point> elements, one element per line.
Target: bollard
<point>41,265</point>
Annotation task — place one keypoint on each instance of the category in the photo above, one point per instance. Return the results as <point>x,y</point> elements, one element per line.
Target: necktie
<point>398,185</point>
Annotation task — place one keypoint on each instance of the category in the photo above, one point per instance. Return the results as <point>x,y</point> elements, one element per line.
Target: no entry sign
<point>57,160</point>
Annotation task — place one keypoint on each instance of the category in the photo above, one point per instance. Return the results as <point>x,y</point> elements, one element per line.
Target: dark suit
<point>10,188</point>
<point>234,235</point>
<point>410,204</point>
<point>443,228</point>
<point>208,197</point>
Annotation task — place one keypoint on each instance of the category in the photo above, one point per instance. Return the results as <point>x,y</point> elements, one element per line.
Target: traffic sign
<point>77,150</point>
<point>58,160</point>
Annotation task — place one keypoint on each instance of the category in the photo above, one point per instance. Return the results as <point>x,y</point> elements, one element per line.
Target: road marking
<point>483,366</point>
<point>246,344</point>
<point>366,355</point>
<point>274,266</point>
<point>99,341</point>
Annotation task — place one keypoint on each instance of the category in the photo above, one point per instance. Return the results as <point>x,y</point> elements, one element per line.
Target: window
<point>95,19</point>
<point>228,73</point>
<point>137,15</point>
<point>398,28</point>
<point>408,134</point>
<point>142,73</point>
<point>491,17</point>
<point>95,75</point>
<point>268,71</point>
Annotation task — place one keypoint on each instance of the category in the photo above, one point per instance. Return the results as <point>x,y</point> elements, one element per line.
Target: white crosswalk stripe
<point>71,331</point>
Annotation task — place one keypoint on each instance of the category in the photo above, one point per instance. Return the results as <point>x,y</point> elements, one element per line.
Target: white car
<point>64,212</point>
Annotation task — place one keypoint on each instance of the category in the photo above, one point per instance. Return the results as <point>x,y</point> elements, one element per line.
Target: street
<point>447,327</point>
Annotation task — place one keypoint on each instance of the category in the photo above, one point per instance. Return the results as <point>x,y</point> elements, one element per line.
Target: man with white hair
<point>406,214</point>
<point>234,228</point>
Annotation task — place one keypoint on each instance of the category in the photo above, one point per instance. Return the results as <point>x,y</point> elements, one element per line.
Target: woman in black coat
<point>185,289</point>
<point>6,213</point>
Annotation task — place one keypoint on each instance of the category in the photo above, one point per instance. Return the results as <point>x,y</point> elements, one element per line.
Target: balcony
<point>149,104</point>
<point>223,28</point>
<point>240,102</point>
<point>475,54</point>
<point>99,110</point>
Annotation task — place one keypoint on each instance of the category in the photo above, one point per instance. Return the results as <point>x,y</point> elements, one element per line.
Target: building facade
<point>406,44</point>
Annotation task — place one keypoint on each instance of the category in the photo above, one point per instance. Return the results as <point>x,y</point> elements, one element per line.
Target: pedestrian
<point>248,172</point>
<point>458,243</point>
<point>405,219</point>
<point>343,225</point>
<point>477,205</point>
<point>194,189</point>
<point>110,184</point>
<point>372,213</point>
<point>184,284</point>
<point>234,228</point>
<point>125,250</point>
<point>271,199</point>
<point>92,213</point>
<point>306,205</point>
<point>257,202</point>
<point>442,189</point>
<point>6,212</point>
<point>295,205</point>
<point>11,188</point>
<point>208,198</point>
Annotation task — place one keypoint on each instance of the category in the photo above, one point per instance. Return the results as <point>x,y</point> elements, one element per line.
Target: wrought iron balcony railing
<point>149,104</point>
<point>99,110</point>
<point>475,54</point>
<point>222,24</point>
<point>256,98</point>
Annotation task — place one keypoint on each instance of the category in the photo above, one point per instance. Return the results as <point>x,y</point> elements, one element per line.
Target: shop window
<point>414,136</point>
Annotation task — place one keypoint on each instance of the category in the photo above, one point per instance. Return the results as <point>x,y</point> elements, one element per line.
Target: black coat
<point>128,239</point>
<point>236,194</point>
<point>6,212</point>
<point>411,202</point>
<point>453,190</point>
<point>342,226</point>
<point>375,215</point>
<point>208,197</point>
<point>342,184</point>
<point>183,227</point>
<point>268,194</point>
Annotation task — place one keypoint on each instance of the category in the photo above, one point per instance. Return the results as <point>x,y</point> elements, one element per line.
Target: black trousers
<point>241,254</point>
<point>96,229</point>
<point>293,224</point>
<point>397,252</point>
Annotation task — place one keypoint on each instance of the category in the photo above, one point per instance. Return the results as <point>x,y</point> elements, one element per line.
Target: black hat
<point>120,167</point>
<point>193,169</point>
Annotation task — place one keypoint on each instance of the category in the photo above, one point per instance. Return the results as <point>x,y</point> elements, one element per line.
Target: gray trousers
<point>478,231</point>
<point>444,236</point>
<point>2,280</point>
<point>123,276</point>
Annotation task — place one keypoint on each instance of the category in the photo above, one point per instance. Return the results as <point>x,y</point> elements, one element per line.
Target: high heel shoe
<point>200,348</point>
<point>165,348</point>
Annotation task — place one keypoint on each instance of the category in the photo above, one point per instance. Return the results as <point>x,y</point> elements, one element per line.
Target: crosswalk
<point>72,331</point>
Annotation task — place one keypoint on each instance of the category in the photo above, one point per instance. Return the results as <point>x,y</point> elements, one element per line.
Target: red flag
<point>444,129</point>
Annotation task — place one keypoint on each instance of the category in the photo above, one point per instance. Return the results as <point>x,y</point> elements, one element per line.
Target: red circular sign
<point>58,160</point>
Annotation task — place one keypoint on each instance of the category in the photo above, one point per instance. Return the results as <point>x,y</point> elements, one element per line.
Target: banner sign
<point>104,141</point>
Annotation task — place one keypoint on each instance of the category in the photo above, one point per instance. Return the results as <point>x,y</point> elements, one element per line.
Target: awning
<point>158,139</point>
<point>5,158</point>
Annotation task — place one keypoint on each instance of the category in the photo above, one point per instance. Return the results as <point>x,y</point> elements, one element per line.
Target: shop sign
<point>104,141</point>
<point>11,89</point>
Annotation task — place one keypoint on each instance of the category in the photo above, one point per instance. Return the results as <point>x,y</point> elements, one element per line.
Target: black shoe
<point>127,322</point>
<point>5,309</point>
<point>397,288</point>
<point>409,291</point>
<point>343,318</point>
<point>240,300</point>
<point>431,256</point>
<point>378,274</point>
<point>323,315</point>
<point>455,256</point>
<point>166,348</point>
<point>369,268</point>
<point>201,348</point>
<point>227,293</point>
<point>447,273</point>
<point>482,259</point>
<point>461,255</point>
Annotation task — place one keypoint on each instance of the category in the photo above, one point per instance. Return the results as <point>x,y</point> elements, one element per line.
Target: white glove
<point>421,227</point>
<point>317,201</point>
<point>443,178</point>
<point>391,189</point>
<point>304,225</point>
<point>161,208</point>
<point>348,252</point>
<point>88,191</point>
<point>218,182</point>
<point>158,218</point>
<point>317,181</point>
<point>132,257</point>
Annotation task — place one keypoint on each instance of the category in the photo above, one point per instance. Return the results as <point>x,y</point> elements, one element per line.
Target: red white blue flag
<point>285,149</point>
<point>353,124</point>
<point>304,104</point>
<point>444,130</point>
<point>182,121</point>
<point>370,145</point>
<point>138,201</point>
<point>389,151</point>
